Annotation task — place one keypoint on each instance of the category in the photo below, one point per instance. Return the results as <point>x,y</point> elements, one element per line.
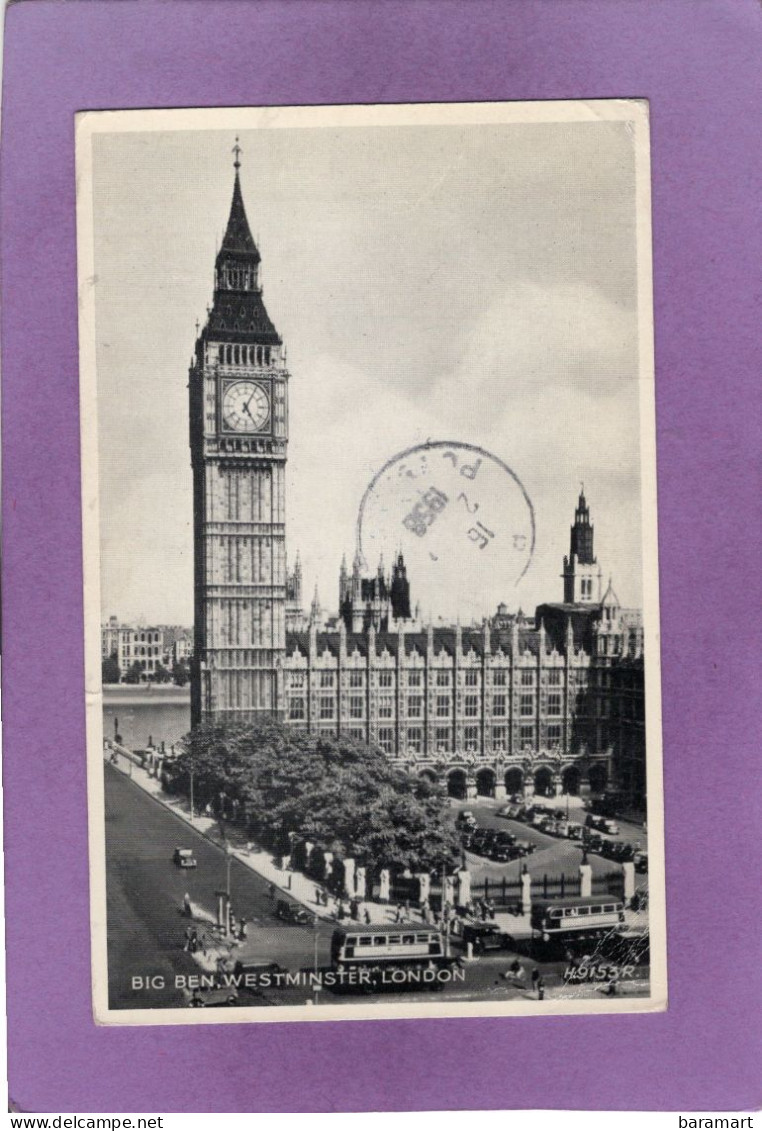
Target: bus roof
<point>576,900</point>
<point>385,928</point>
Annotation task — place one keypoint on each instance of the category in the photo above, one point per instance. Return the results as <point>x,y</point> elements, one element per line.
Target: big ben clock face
<point>245,407</point>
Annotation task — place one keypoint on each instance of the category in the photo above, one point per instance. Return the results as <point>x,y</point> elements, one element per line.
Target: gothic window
<point>327,706</point>
<point>527,679</point>
<point>471,738</point>
<point>554,734</point>
<point>499,738</point>
<point>443,679</point>
<point>414,679</point>
<point>296,709</point>
<point>356,679</point>
<point>385,707</point>
<point>356,706</point>
<point>259,355</point>
<point>443,706</point>
<point>527,705</point>
<point>357,734</point>
<point>326,679</point>
<point>526,734</point>
<point>472,678</point>
<point>498,705</point>
<point>554,678</point>
<point>498,678</point>
<point>267,355</point>
<point>298,679</point>
<point>386,739</point>
<point>442,738</point>
<point>554,703</point>
<point>415,706</point>
<point>385,679</point>
<point>472,706</point>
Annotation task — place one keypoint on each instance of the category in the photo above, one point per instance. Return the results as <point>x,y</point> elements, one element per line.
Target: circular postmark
<point>461,518</point>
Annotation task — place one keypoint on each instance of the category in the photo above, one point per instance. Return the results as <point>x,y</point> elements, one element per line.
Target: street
<point>146,927</point>
<point>145,900</point>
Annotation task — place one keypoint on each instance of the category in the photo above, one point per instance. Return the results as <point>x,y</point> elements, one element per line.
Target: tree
<point>346,797</point>
<point>161,674</point>
<point>110,669</point>
<point>180,673</point>
<point>133,673</point>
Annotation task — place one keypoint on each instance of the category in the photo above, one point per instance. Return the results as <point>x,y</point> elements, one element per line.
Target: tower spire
<point>237,151</point>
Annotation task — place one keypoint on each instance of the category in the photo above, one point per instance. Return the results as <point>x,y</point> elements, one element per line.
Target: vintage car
<point>184,858</point>
<point>293,913</point>
<point>466,820</point>
<point>641,861</point>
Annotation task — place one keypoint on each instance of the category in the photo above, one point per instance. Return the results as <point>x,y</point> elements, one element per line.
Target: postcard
<point>370,562</point>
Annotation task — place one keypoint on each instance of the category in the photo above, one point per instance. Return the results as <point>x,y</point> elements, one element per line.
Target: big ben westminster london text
<point>238,438</point>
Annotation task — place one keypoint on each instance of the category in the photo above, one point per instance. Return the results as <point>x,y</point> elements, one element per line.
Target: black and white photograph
<point>370,562</point>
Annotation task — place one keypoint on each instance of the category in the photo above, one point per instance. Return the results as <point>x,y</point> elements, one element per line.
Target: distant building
<point>150,647</point>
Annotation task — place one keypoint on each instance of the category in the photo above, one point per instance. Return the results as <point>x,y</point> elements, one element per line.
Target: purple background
<point>699,65</point>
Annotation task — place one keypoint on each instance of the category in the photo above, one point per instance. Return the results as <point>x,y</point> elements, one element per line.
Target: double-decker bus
<point>579,918</point>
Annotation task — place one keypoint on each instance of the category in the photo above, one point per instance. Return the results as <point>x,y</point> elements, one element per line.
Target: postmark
<point>460,516</point>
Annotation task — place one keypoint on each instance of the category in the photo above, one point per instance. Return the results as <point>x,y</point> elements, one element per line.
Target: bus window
<point>584,910</point>
<point>365,940</point>
<point>609,907</point>
<point>407,940</point>
<point>379,940</point>
<point>555,913</point>
<point>394,940</point>
<point>421,938</point>
<point>351,940</point>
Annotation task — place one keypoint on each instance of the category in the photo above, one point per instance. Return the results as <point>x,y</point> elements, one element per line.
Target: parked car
<point>575,831</point>
<point>504,811</point>
<point>526,847</point>
<point>607,826</point>
<point>466,819</point>
<point>184,858</point>
<point>641,861</point>
<point>501,853</point>
<point>485,937</point>
<point>466,839</point>
<point>503,837</point>
<point>294,913</point>
<point>594,842</point>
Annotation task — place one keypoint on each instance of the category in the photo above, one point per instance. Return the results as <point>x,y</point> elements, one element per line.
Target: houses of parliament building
<point>553,703</point>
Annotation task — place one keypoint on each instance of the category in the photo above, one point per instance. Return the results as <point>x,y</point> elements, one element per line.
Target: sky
<point>473,284</point>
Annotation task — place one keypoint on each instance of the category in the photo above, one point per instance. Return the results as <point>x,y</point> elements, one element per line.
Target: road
<point>146,928</point>
<point>553,855</point>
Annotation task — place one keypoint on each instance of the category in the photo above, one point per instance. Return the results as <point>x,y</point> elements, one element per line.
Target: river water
<point>146,716</point>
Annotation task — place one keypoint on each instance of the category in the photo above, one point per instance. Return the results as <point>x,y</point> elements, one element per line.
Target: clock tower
<point>238,437</point>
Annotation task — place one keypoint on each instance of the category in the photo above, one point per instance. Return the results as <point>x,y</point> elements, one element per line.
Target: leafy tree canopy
<point>345,796</point>
<point>110,669</point>
<point>133,673</point>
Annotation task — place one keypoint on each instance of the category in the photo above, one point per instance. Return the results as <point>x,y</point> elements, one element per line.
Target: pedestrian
<point>366,916</point>
<point>188,933</point>
<point>193,943</point>
<point>242,929</point>
<point>407,908</point>
<point>187,908</point>
<point>540,989</point>
<point>398,914</point>
<point>318,896</point>
<point>535,978</point>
